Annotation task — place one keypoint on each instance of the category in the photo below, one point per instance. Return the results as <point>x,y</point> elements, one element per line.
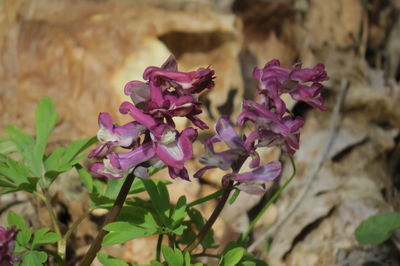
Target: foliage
<point>377,229</point>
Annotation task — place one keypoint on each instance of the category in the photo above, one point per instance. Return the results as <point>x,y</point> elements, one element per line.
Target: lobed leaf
<point>44,237</point>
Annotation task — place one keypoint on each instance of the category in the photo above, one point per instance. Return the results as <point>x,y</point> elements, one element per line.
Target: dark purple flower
<point>272,129</point>
<point>169,93</point>
<point>7,245</point>
<point>301,84</point>
<point>182,82</point>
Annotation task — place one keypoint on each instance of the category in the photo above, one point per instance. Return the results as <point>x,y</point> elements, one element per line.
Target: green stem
<point>206,198</point>
<point>159,244</point>
<point>75,225</point>
<point>112,215</point>
<point>272,200</point>
<point>61,247</point>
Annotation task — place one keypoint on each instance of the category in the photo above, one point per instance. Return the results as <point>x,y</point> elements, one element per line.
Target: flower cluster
<point>272,123</point>
<point>7,245</point>
<point>152,137</point>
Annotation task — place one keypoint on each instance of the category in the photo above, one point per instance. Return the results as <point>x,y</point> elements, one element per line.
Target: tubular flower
<point>169,93</point>
<point>272,124</point>
<point>7,245</point>
<point>302,84</point>
<point>225,159</point>
<point>251,182</point>
<point>113,135</point>
<point>166,93</point>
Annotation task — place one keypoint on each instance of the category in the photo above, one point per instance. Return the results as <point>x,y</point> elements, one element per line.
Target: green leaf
<point>232,257</point>
<point>64,158</point>
<point>107,260</point>
<point>14,219</point>
<point>179,213</point>
<point>4,182</point>
<point>24,236</point>
<point>113,187</point>
<point>19,248</point>
<point>101,201</point>
<point>139,216</point>
<point>25,146</point>
<point>7,146</point>
<point>33,258</point>
<point>14,170</point>
<point>53,163</point>
<point>121,232</point>
<point>377,229</point>
<point>76,147</point>
<point>247,263</point>
<point>86,177</point>
<point>138,185</point>
<point>44,237</point>
<point>46,118</point>
<point>173,257</point>
<point>160,198</point>
<point>197,219</point>
<point>187,258</point>
<point>156,263</point>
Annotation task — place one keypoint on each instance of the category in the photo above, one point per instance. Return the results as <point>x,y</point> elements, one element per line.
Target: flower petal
<point>175,153</point>
<point>142,118</point>
<point>228,135</point>
<point>138,91</point>
<point>261,174</point>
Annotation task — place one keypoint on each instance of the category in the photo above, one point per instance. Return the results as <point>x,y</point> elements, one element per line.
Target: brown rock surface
<point>81,53</point>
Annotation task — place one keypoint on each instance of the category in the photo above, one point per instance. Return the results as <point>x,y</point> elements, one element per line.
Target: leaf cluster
<point>29,243</point>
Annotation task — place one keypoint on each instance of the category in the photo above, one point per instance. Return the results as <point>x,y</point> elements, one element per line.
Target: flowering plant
<point>130,154</point>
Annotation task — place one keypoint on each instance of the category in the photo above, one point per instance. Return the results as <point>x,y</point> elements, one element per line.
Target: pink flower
<point>7,245</point>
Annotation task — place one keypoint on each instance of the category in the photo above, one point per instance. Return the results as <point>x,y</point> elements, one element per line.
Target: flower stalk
<point>218,209</point>
<point>112,215</point>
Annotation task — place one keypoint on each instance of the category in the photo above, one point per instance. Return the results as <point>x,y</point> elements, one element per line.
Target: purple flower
<point>169,93</point>
<point>272,129</point>
<point>253,182</point>
<point>113,135</point>
<point>225,159</point>
<point>7,245</point>
<point>171,147</point>
<point>116,165</point>
<point>183,82</point>
<point>301,84</point>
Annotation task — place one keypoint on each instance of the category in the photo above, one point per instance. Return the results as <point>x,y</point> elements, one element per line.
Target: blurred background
<point>81,53</point>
